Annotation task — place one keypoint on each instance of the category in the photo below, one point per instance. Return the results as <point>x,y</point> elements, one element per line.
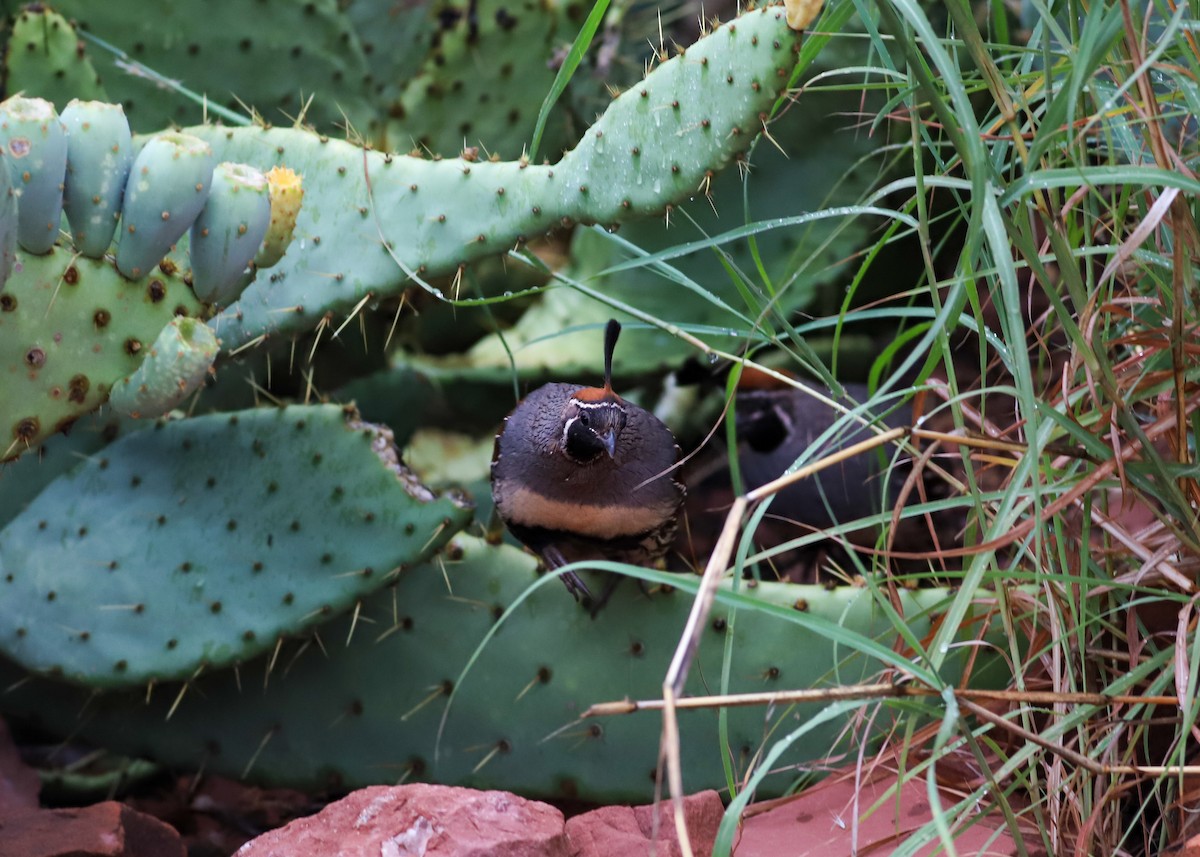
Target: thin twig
<point>883,690</point>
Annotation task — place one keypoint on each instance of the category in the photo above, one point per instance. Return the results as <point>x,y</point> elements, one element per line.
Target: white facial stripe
<point>784,417</point>
<point>598,406</point>
<point>567,428</point>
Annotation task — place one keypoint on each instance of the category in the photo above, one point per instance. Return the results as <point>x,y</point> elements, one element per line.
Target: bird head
<point>593,417</point>
<point>591,428</point>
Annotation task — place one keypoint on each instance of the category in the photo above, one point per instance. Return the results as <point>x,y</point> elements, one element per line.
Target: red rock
<point>622,831</point>
<point>19,783</point>
<point>1191,848</point>
<point>819,821</point>
<point>107,829</point>
<point>420,819</point>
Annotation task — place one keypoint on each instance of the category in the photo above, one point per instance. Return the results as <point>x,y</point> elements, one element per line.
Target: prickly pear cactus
<point>483,81</point>
<point>272,55</point>
<point>45,58</point>
<point>70,327</point>
<point>198,543</point>
<point>23,479</point>
<point>394,217</point>
<point>369,709</point>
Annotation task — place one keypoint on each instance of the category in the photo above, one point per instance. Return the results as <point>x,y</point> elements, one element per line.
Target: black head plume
<point>611,332</point>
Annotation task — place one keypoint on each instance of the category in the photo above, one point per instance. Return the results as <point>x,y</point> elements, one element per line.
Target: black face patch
<point>762,424</point>
<point>591,429</point>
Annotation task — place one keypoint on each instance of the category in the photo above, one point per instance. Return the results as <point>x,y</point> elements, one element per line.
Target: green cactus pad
<point>228,232</point>
<point>45,58</point>
<point>369,218</point>
<point>167,188</point>
<point>99,155</point>
<point>174,368</point>
<point>35,146</point>
<point>483,82</point>
<point>394,45</point>
<point>70,327</point>
<point>198,543</point>
<point>272,54</point>
<point>24,479</point>
<point>365,707</point>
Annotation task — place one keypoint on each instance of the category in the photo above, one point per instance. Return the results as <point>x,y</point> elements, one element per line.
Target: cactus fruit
<point>99,156</point>
<point>199,542</point>
<point>367,707</point>
<point>168,186</point>
<point>287,195</point>
<point>8,222</point>
<point>175,367</point>
<point>393,216</point>
<point>228,232</point>
<point>35,143</point>
<point>69,328</point>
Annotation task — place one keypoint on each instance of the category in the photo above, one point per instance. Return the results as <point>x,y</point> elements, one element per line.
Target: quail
<point>578,473</point>
<point>775,425</point>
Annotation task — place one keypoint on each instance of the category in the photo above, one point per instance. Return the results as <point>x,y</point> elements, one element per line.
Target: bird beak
<point>609,439</point>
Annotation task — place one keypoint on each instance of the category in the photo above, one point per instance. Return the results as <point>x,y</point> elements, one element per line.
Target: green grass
<point>1036,174</point>
<point>1045,171</point>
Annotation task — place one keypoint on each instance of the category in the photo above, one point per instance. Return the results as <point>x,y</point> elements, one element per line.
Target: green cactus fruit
<point>71,327</point>
<point>35,144</point>
<point>228,232</point>
<point>287,195</point>
<point>167,188</point>
<point>371,219</point>
<point>198,543</point>
<point>174,368</point>
<point>99,156</point>
<point>366,706</point>
<point>45,57</point>
<point>8,223</point>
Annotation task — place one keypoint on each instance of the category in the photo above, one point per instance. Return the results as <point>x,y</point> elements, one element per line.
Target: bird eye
<point>584,419</point>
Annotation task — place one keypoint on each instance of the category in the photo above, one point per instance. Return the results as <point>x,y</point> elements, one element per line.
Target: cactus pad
<point>198,543</point>
<point>45,58</point>
<point>368,709</point>
<point>71,327</point>
<point>393,215</point>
